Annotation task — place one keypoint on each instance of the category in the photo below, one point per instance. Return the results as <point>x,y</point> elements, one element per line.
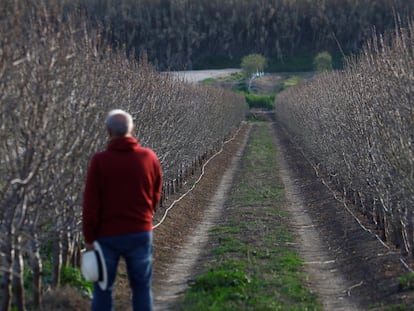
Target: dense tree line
<point>57,82</point>
<point>357,128</point>
<point>185,33</point>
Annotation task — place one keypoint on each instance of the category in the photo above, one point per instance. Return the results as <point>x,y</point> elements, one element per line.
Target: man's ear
<point>109,132</point>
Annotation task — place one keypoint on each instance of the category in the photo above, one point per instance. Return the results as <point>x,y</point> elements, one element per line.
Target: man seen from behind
<point>122,192</point>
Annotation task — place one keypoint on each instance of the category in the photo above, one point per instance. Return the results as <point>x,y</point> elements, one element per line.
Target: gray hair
<point>119,122</point>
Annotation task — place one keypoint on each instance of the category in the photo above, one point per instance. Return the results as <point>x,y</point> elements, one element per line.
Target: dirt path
<point>324,278</point>
<point>346,266</point>
<point>320,266</point>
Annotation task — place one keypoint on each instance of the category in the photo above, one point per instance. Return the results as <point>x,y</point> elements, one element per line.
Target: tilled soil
<point>346,266</point>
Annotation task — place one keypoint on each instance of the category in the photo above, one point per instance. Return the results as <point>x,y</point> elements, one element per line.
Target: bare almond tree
<point>356,127</point>
<point>58,80</point>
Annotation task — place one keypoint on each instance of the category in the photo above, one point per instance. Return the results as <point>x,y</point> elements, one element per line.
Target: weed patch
<point>406,282</point>
<point>292,81</point>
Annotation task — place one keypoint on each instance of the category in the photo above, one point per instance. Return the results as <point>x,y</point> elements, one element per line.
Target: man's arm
<point>157,186</point>
<point>91,204</point>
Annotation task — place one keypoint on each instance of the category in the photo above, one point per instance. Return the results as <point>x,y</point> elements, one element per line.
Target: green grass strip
<point>254,266</point>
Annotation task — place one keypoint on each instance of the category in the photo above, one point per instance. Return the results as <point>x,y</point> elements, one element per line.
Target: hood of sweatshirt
<point>123,144</point>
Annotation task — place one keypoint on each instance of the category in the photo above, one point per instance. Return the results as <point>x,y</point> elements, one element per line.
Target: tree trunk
<point>65,245</point>
<point>57,260</point>
<point>37,272</point>
<point>6,282</point>
<point>408,230</point>
<point>18,279</point>
<point>76,259</point>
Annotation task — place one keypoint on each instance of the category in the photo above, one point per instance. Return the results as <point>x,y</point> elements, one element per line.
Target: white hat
<point>93,266</point>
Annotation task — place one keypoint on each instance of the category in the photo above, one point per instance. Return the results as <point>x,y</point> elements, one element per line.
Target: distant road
<point>200,75</point>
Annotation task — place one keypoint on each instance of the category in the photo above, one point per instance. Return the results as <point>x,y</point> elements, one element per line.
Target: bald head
<point>119,123</point>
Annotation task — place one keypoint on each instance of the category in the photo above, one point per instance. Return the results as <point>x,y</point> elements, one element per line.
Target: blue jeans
<point>136,249</point>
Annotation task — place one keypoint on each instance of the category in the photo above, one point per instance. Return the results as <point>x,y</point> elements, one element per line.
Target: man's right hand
<point>89,246</point>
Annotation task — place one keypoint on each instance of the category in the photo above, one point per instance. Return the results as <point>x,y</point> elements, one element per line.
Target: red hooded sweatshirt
<point>122,191</point>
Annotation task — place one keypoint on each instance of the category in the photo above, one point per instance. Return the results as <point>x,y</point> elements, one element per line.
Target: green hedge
<point>260,101</point>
